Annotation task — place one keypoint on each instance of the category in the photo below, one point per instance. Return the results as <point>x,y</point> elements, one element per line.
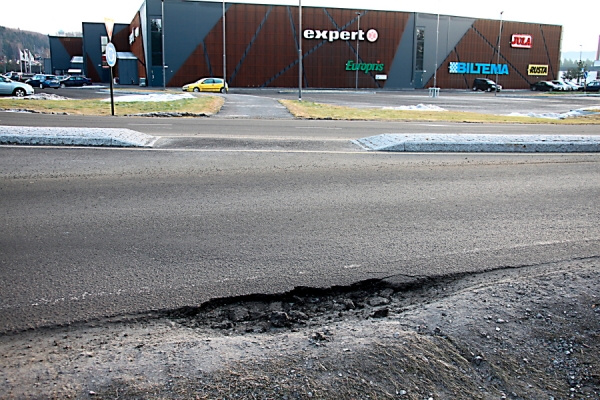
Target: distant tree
<point>569,63</point>
<point>576,72</point>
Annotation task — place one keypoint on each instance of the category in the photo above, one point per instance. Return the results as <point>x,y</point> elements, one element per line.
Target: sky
<point>581,29</point>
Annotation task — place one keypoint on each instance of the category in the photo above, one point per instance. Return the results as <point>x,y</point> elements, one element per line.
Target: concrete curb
<point>481,143</point>
<point>74,136</point>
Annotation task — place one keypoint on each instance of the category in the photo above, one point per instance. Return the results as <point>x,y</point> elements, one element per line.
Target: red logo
<point>521,41</point>
<point>372,35</point>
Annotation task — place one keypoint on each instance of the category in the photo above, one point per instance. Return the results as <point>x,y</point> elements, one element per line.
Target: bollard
<point>434,92</point>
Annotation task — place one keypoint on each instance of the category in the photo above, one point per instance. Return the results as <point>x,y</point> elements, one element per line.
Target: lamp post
<point>357,58</point>
<point>224,52</point>
<point>437,39</point>
<point>580,63</point>
<point>498,62</point>
<point>162,31</point>
<point>300,50</point>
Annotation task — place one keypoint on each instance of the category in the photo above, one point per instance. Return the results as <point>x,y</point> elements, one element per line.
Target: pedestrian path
<point>252,107</point>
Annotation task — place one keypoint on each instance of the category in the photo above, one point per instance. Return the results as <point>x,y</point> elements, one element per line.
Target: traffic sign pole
<point>112,99</point>
<point>111,60</point>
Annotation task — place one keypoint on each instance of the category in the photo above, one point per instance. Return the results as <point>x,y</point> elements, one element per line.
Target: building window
<point>156,41</point>
<point>103,43</point>
<point>420,49</point>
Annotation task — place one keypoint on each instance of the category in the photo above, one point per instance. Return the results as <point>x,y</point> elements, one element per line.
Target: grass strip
<point>310,110</point>
<point>203,104</point>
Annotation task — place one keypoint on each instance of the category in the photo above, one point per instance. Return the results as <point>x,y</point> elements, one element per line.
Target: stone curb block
<point>481,143</point>
<point>50,136</point>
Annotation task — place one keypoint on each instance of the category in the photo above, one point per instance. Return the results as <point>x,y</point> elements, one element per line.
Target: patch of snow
<point>418,107</point>
<point>154,97</point>
<point>570,114</point>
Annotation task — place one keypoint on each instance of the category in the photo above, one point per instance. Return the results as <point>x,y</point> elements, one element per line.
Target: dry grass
<point>309,110</point>
<point>203,104</point>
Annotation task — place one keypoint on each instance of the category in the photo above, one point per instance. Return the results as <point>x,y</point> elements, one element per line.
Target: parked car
<point>24,77</point>
<point>12,88</point>
<point>575,86</point>
<point>487,85</point>
<point>13,76</point>
<point>207,85</point>
<point>44,81</point>
<point>78,80</point>
<point>593,86</point>
<point>562,85</point>
<point>544,86</point>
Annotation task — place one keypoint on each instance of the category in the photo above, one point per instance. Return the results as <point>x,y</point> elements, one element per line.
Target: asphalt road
<point>226,207</point>
<point>89,233</point>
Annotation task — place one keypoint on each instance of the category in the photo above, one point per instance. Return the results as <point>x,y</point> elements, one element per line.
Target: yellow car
<point>207,85</point>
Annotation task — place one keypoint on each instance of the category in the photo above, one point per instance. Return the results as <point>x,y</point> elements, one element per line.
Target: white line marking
<point>150,124</point>
<point>315,127</point>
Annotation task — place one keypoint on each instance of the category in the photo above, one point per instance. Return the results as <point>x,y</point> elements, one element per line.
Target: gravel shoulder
<point>527,333</point>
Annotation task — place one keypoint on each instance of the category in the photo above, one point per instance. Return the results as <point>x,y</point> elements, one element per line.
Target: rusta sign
<point>521,41</point>
<point>371,35</point>
<point>477,68</point>
<point>541,70</point>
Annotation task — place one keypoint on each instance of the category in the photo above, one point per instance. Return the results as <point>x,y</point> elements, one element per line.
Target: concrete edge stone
<point>481,143</point>
<point>52,136</point>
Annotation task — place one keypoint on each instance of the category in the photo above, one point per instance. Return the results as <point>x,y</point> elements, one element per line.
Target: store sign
<point>134,33</point>
<point>521,41</point>
<point>540,70</point>
<point>366,68</point>
<point>331,36</point>
<point>477,68</point>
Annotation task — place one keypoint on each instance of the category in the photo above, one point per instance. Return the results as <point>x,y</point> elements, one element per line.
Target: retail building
<point>340,48</point>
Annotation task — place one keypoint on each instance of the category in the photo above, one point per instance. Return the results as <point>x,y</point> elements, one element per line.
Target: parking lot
<point>506,102</point>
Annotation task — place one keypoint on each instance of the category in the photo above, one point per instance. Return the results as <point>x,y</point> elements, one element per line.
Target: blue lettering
<point>504,70</point>
<point>486,69</point>
<point>494,68</point>
<point>461,68</point>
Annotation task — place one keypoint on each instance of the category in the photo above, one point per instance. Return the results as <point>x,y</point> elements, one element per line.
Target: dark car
<point>545,86</point>
<point>13,76</point>
<point>44,81</point>
<point>593,86</point>
<point>78,80</point>
<point>487,85</point>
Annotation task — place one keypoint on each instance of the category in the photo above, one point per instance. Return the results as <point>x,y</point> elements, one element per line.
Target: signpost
<point>111,59</point>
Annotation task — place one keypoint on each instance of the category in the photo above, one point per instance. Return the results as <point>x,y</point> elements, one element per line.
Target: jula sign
<point>521,41</point>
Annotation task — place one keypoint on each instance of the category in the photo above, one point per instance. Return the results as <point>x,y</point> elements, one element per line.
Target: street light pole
<point>437,39</point>
<point>499,42</point>
<point>224,52</point>
<point>357,58</point>
<point>300,50</point>
<point>580,63</point>
<point>162,30</point>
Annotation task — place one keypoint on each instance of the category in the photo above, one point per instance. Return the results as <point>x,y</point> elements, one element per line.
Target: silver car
<point>13,88</point>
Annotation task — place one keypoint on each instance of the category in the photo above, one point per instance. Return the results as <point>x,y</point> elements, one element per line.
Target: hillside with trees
<point>13,40</point>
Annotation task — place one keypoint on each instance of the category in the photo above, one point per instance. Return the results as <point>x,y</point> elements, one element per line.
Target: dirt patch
<point>528,333</point>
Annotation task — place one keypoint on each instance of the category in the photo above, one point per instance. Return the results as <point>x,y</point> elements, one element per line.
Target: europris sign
<point>521,41</point>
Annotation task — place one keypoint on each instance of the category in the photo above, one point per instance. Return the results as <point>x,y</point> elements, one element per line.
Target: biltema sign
<point>366,68</point>
<point>477,68</point>
<point>540,70</point>
<point>331,36</point>
<point>521,41</point>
